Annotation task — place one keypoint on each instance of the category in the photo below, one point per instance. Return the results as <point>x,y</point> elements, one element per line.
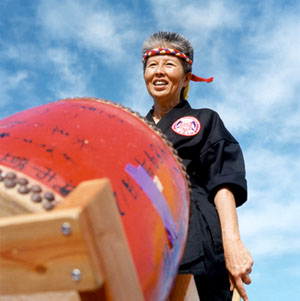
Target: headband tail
<point>196,78</point>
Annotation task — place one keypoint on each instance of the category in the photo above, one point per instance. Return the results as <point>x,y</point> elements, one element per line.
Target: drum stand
<point>76,252</point>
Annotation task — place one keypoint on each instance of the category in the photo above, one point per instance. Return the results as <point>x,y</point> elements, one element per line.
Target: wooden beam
<point>184,289</point>
<point>36,256</point>
<point>48,296</point>
<point>106,240</point>
<point>39,252</point>
<point>236,296</point>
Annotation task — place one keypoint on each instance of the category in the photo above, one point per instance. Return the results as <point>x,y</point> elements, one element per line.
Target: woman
<point>214,251</point>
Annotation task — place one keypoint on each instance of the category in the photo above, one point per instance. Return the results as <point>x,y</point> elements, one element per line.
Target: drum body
<point>64,143</point>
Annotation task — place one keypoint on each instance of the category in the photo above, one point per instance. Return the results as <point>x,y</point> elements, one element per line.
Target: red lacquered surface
<point>64,143</point>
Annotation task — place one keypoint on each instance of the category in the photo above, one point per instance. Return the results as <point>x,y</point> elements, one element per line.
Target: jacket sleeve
<point>223,162</point>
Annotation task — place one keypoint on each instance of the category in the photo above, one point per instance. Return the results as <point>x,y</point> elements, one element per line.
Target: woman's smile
<point>160,83</point>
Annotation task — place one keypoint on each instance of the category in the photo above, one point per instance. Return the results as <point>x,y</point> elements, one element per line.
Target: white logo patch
<point>186,126</point>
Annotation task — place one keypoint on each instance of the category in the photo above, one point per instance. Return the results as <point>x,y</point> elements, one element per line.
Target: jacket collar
<point>178,111</point>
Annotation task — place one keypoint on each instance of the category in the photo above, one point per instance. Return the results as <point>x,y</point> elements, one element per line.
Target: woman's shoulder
<point>211,120</point>
<point>205,110</point>
<point>205,113</point>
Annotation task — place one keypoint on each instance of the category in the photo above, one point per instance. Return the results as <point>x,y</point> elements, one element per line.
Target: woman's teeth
<point>160,83</point>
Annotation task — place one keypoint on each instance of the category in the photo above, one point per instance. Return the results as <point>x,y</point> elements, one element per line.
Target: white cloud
<point>196,17</point>
<point>100,33</point>
<point>272,229</point>
<point>95,27</point>
<point>25,53</point>
<point>65,66</point>
<point>268,83</point>
<point>14,80</point>
<point>288,128</point>
<point>137,97</point>
<point>270,222</point>
<point>10,81</point>
<point>73,43</point>
<point>272,169</point>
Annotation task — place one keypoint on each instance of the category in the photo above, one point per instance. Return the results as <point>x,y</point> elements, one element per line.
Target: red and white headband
<point>177,53</point>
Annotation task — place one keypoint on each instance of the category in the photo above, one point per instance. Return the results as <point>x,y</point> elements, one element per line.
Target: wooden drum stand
<point>77,252</point>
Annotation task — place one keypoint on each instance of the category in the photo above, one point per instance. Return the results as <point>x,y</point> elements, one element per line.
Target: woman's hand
<point>238,263</point>
<point>237,257</point>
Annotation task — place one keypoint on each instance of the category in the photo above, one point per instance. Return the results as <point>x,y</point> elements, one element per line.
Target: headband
<point>169,51</point>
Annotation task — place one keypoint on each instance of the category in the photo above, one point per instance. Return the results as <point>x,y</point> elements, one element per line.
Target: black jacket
<point>213,159</point>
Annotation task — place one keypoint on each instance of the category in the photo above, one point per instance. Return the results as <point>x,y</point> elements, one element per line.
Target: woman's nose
<point>160,70</point>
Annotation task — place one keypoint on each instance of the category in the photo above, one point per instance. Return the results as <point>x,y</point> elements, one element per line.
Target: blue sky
<point>56,49</point>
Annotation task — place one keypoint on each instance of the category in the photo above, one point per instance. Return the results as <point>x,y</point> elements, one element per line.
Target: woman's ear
<point>187,78</point>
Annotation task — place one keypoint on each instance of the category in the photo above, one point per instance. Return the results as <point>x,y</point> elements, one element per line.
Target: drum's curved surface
<point>63,143</point>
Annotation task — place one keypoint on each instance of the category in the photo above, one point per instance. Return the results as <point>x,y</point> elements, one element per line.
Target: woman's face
<point>165,78</point>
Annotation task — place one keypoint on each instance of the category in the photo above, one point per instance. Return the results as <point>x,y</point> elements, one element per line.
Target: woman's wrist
<point>230,236</point>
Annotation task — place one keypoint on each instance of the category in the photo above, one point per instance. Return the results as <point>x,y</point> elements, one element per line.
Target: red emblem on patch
<point>186,126</point>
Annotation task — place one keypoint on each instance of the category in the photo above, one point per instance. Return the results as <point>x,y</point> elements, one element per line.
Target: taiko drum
<point>64,143</point>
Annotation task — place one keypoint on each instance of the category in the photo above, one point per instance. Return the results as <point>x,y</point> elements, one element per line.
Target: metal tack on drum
<point>11,176</point>
<point>36,188</point>
<point>35,197</point>
<point>48,205</point>
<point>23,189</point>
<point>9,183</point>
<point>22,181</point>
<point>49,196</point>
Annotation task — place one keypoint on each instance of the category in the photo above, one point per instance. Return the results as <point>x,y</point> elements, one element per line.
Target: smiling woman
<point>214,163</point>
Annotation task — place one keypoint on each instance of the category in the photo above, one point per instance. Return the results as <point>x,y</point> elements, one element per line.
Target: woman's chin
<point>160,93</point>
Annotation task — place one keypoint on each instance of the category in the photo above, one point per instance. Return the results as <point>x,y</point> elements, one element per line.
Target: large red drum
<point>64,143</point>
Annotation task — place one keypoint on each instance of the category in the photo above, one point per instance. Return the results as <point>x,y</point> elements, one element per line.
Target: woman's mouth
<point>160,83</point>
